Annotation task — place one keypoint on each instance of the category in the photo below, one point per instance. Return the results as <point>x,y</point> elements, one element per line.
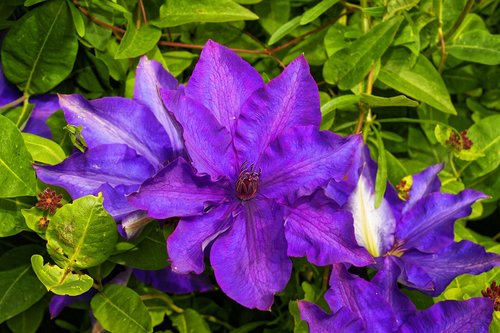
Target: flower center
<point>248,182</point>
<point>49,201</point>
<point>493,292</point>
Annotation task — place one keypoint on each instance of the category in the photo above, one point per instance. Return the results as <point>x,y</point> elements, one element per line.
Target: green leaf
<point>60,281</point>
<point>137,42</point>
<point>81,234</point>
<point>443,134</point>
<point>396,5</point>
<point>38,52</point>
<point>149,254</point>
<point>19,286</point>
<point>20,115</point>
<point>190,321</point>
<point>32,218</point>
<point>339,102</point>
<point>120,309</point>
<point>381,178</point>
<point>300,326</point>
<point>12,221</point>
<point>174,13</point>
<point>284,30</point>
<point>78,20</point>
<point>43,150</point>
<point>17,176</point>
<point>486,138</point>
<point>29,321</point>
<point>314,12</point>
<point>421,82</point>
<point>273,14</point>
<point>350,65</point>
<point>178,61</point>
<point>476,46</point>
<point>377,101</point>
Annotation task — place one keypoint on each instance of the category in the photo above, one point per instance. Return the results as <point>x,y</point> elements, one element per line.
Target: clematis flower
<point>254,151</point>
<point>415,229</point>
<point>360,306</point>
<point>128,141</point>
<point>44,107</point>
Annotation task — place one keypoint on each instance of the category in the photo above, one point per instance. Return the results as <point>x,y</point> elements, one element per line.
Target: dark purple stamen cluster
<point>49,201</point>
<point>459,141</point>
<point>248,182</point>
<point>493,292</point>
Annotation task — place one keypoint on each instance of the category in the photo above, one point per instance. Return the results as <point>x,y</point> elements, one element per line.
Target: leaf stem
<point>15,102</point>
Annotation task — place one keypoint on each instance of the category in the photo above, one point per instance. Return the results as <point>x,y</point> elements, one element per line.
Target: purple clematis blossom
<point>255,150</point>
<point>417,231</point>
<point>128,141</point>
<point>360,306</point>
<point>45,106</point>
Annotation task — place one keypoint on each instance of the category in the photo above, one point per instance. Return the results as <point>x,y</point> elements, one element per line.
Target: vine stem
<point>268,52</point>
<point>369,89</point>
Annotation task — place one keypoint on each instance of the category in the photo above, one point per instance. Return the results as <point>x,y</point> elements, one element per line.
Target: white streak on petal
<point>373,228</point>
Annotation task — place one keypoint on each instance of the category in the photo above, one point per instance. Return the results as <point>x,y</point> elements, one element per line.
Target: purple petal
<point>59,302</point>
<point>301,160</point>
<point>386,281</point>
<point>323,234</point>
<point>8,91</point>
<point>192,236</point>
<point>428,226</point>
<point>222,82</point>
<point>208,143</point>
<point>320,322</point>
<point>133,223</point>
<point>442,267</point>
<point>113,120</point>
<point>174,283</point>
<point>360,297</point>
<point>83,174</point>
<point>249,260</point>
<point>472,315</point>
<point>289,100</point>
<point>45,106</point>
<point>177,191</point>
<point>115,200</point>
<point>150,78</point>
<point>423,183</point>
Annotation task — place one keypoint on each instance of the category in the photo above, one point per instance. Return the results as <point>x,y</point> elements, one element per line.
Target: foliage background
<point>406,73</point>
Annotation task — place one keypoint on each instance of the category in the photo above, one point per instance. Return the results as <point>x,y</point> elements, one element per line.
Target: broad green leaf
<point>460,80</point>
<point>476,46</point>
<point>486,137</point>
<point>81,234</point>
<point>120,309</point>
<point>19,286</point>
<point>29,321</point>
<point>43,150</point>
<point>28,3</point>
<point>17,176</point>
<point>32,219</point>
<point>273,14</point>
<point>174,13</point>
<point>381,178</point>
<point>350,65</point>
<point>190,321</point>
<point>335,39</point>
<point>58,280</point>
<point>377,101</point>
<point>178,61</point>
<point>137,42</point>
<point>284,30</point>
<point>149,254</point>
<point>395,169</point>
<point>78,21</point>
<point>422,82</point>
<point>396,5</point>
<point>340,102</point>
<point>314,12</point>
<point>12,221</point>
<point>40,49</point>
<point>20,115</point>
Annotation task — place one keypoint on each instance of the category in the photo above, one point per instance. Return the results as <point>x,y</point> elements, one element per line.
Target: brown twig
<point>143,11</point>
<point>265,51</point>
<point>369,88</point>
